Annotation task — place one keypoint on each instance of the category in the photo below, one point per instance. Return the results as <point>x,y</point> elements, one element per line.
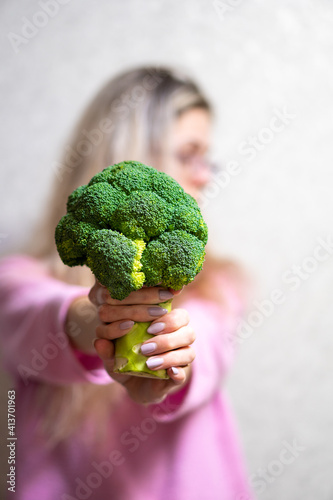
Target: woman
<point>84,431</point>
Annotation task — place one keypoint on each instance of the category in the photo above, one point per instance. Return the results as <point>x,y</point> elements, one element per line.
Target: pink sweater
<point>185,448</point>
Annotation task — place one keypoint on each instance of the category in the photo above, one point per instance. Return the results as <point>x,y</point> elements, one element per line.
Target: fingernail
<point>154,362</point>
<point>156,328</point>
<point>157,311</point>
<point>148,348</point>
<point>165,295</point>
<point>126,324</point>
<point>174,370</point>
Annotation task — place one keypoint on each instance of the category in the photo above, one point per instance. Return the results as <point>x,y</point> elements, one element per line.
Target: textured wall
<point>267,67</point>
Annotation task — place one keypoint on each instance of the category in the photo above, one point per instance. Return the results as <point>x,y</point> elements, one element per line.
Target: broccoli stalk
<point>133,226</point>
<point>128,358</point>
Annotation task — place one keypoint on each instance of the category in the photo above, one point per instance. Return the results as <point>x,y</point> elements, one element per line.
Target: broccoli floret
<point>174,259</point>
<point>133,226</point>
<point>134,177</point>
<point>96,204</point>
<point>112,250</point>
<point>189,219</point>
<point>108,174</point>
<point>143,214</point>
<point>71,238</point>
<point>74,197</point>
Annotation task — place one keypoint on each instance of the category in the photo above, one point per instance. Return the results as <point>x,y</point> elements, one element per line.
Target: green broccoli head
<point>133,226</point>
<point>174,259</point>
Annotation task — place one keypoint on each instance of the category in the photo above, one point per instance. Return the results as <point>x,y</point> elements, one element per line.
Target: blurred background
<point>267,67</point>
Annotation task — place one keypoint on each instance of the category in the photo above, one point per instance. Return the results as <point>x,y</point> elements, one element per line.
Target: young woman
<point>83,431</point>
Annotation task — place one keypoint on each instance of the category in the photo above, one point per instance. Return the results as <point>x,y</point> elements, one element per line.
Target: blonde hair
<point>127,120</point>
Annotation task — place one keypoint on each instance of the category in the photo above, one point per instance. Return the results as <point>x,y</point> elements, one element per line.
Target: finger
<point>180,357</point>
<point>170,341</point>
<point>175,319</point>
<point>178,375</point>
<point>104,348</point>
<point>98,294</point>
<point>114,330</point>
<point>146,295</point>
<point>137,313</point>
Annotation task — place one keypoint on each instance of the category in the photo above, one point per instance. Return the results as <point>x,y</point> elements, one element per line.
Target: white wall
<point>255,59</point>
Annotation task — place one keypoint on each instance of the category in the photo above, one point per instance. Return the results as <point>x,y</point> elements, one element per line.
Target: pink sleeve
<point>33,309</point>
<point>214,347</point>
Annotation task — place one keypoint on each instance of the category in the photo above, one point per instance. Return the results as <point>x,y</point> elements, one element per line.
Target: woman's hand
<point>169,349</point>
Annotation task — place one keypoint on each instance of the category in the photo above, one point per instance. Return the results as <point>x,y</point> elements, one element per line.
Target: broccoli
<point>133,226</point>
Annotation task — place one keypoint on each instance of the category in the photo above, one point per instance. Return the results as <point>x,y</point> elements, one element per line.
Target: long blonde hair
<point>127,120</point>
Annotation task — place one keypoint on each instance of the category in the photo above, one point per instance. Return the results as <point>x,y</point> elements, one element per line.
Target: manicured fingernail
<point>154,362</point>
<point>156,328</point>
<point>148,348</point>
<point>174,370</point>
<point>156,311</point>
<point>126,324</point>
<point>165,295</point>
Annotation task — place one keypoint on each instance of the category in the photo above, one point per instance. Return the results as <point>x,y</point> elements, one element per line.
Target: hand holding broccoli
<point>170,345</point>
<point>133,226</point>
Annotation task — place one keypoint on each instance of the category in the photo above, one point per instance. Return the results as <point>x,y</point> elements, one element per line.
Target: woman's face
<point>189,144</point>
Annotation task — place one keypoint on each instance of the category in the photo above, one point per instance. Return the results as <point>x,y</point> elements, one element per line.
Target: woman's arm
<point>81,322</point>
<point>34,321</point>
